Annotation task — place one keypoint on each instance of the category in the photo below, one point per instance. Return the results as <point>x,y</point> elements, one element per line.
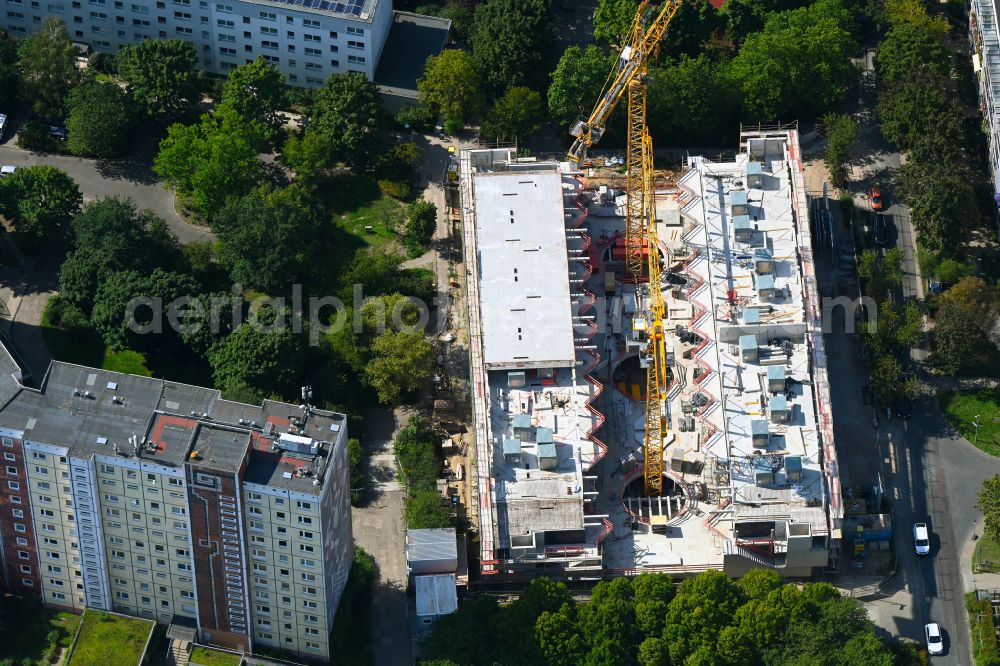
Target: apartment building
<point>307,40</point>
<point>162,500</point>
<point>985,42</point>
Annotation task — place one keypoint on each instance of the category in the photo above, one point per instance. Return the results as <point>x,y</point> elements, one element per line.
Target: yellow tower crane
<point>629,77</point>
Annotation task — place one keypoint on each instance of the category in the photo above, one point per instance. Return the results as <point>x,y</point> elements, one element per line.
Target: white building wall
<point>307,46</point>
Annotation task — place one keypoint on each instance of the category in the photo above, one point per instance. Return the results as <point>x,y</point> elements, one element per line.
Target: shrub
<point>102,62</point>
<point>453,127</point>
<point>34,135</point>
<point>394,188</point>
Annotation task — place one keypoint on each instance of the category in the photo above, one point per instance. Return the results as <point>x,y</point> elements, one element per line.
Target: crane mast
<point>629,78</point>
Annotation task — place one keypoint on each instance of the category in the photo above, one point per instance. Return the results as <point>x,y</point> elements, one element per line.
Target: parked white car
<point>3,125</point>
<point>7,169</point>
<point>921,539</point>
<point>935,643</point>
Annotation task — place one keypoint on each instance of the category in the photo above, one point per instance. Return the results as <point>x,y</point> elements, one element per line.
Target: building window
<point>14,499</point>
<point>351,30</point>
<point>224,23</point>
<point>17,513</point>
<point>310,38</point>
<point>357,60</point>
<point>355,45</point>
<point>12,471</point>
<point>19,527</point>
<point>310,23</point>
<point>268,16</point>
<point>10,456</point>
<point>7,441</point>
<point>14,485</point>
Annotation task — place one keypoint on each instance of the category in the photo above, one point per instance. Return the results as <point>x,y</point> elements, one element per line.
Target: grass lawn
<point>987,555</point>
<point>357,202</point>
<point>27,626</point>
<point>962,407</point>
<point>209,657</point>
<point>110,640</point>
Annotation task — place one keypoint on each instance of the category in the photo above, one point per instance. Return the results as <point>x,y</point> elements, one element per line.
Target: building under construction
<point>558,356</point>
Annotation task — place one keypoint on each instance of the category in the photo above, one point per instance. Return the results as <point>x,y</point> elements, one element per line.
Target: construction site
<point>560,338</point>
<point>647,375</point>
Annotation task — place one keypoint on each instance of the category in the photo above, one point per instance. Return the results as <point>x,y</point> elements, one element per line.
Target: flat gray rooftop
<point>92,411</point>
<point>412,39</point>
<point>524,271</point>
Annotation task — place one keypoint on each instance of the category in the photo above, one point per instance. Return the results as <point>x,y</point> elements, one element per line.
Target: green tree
<point>111,235</point>
<point>214,316</point>
<point>692,100</point>
<point>421,221</point>
<point>558,637</point>
<point>609,624</point>
<point>401,362</point>
<point>356,460</point>
<point>253,363</point>
<point>212,160</point>
<point>162,78</point>
<point>959,343</point>
<point>451,85</point>
<point>47,65</point>
<point>8,68</point>
<point>613,19</point>
<point>516,115</point>
<point>415,447</point>
<point>889,383</point>
<point>912,53</point>
<point>576,82</point>
<point>256,91</point>
<point>841,133</point>
<point>704,605</point>
<point>310,156</point>
<point>692,26</point>
<point>425,510</point>
<point>653,652</point>
<point>799,65</point>
<point>988,501</point>
<point>881,274</point>
<point>974,295</point>
<point>270,239</point>
<point>745,17</point>
<point>348,112</point>
<point>115,311</point>
<point>510,42</point>
<point>652,598</point>
<point>942,204</point>
<point>913,110</point>
<point>38,201</point>
<point>100,120</point>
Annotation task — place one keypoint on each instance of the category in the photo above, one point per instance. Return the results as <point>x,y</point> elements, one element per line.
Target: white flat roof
<point>523,271</point>
<point>436,595</point>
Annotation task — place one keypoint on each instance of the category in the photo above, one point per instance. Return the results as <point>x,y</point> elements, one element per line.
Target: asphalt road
<point>104,178</point>
<point>932,474</point>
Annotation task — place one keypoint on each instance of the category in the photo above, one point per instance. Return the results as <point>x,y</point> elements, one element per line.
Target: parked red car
<point>875,196</point>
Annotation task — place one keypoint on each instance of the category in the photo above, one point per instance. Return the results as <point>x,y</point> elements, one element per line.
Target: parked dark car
<point>880,232</point>
<point>904,409</point>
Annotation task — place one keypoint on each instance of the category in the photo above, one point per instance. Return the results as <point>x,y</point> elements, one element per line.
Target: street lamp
<point>975,424</point>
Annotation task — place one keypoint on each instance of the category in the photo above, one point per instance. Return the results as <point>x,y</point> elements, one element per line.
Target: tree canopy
<point>100,120</point>
<point>117,310</point>
<point>692,100</point>
<point>576,82</point>
<point>47,64</point>
<point>347,112</point>
<point>648,620</point>
<point>510,43</point>
<point>212,160</point>
<point>911,52</point>
<point>451,85</point>
<point>270,239</point>
<point>400,364</point>
<point>256,92</point>
<point>613,19</point>
<point>799,65</point>
<point>516,115</point>
<point>8,68</point>
<point>988,501</point>
<point>111,235</point>
<point>162,78</point>
<point>38,201</point>
<point>251,363</point>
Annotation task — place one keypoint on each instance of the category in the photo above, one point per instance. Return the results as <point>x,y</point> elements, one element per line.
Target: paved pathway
<point>105,178</point>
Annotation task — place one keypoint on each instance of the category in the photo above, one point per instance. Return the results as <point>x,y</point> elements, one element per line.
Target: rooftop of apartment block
<point>93,411</point>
